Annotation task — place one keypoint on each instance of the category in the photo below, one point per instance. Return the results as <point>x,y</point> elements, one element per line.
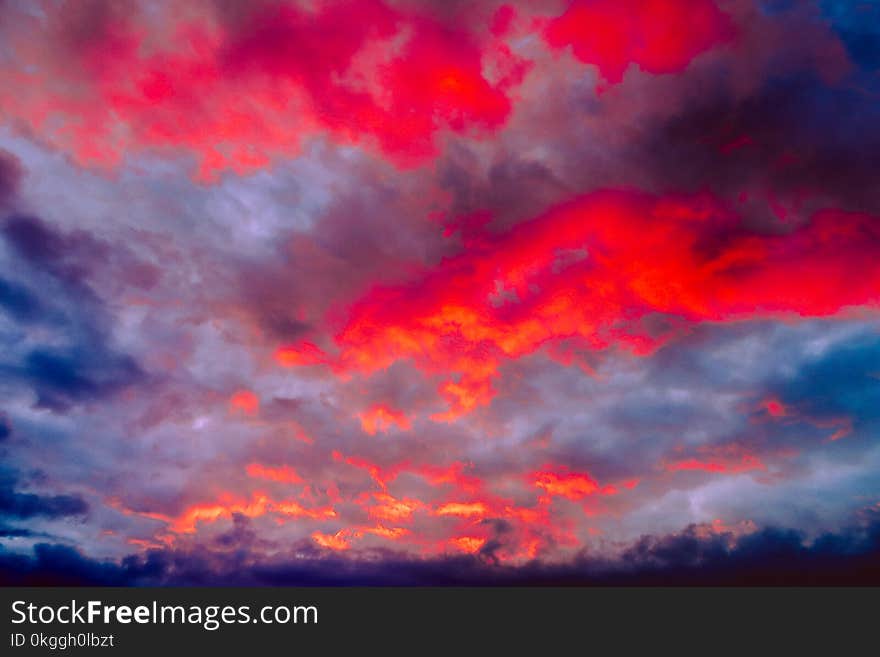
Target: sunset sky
<point>395,291</point>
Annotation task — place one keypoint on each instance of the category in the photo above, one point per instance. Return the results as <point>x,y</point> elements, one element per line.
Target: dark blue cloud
<point>7,531</point>
<point>61,565</point>
<point>857,23</point>
<point>18,302</point>
<point>844,382</point>
<point>68,258</point>
<point>5,426</point>
<point>78,374</point>
<point>81,364</point>
<point>772,7</point>
<point>23,506</point>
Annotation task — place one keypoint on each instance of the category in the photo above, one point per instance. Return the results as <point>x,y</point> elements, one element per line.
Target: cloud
<point>458,304</point>
<point>79,364</point>
<point>857,25</point>
<point>577,278</point>
<point>18,301</point>
<point>62,565</point>
<point>698,554</point>
<point>60,378</point>
<point>5,426</point>
<point>265,77</point>
<point>779,150</point>
<point>14,532</point>
<point>841,385</point>
<point>10,176</point>
<point>23,506</point>
<point>72,258</point>
<point>659,37</point>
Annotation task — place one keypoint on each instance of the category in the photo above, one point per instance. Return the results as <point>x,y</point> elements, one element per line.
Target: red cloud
<point>731,466</point>
<point>623,269</point>
<point>660,36</point>
<point>303,353</point>
<point>237,91</point>
<point>244,401</point>
<point>774,407</point>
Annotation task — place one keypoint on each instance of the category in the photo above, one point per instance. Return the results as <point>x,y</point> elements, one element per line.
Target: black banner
<point>414,620</point>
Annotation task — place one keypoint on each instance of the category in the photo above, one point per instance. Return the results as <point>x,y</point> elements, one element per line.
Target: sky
<point>407,292</point>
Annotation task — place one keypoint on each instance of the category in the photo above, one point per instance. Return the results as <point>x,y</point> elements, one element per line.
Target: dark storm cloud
<point>80,364</point>
<point>511,189</point>
<point>240,537</point>
<point>770,556</point>
<point>799,139</point>
<point>794,137</point>
<point>61,378</point>
<point>68,258</point>
<point>73,258</point>
<point>85,370</point>
<point>693,556</point>
<point>62,565</point>
<point>22,506</point>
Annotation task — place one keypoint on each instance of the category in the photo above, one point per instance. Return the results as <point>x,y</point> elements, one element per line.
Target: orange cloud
<point>225,507</point>
<point>282,474</point>
<point>186,522</point>
<point>391,533</point>
<point>453,475</point>
<point>335,541</point>
<point>144,544</point>
<point>296,510</point>
<point>391,508</point>
<point>571,485</point>
<point>381,417</point>
<point>382,476</point>
<point>462,509</point>
<point>467,544</point>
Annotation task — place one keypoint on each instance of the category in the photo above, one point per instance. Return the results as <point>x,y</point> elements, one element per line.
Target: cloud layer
<point>407,292</point>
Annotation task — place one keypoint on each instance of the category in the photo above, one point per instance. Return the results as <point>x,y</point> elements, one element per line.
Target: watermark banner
<point>407,620</point>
